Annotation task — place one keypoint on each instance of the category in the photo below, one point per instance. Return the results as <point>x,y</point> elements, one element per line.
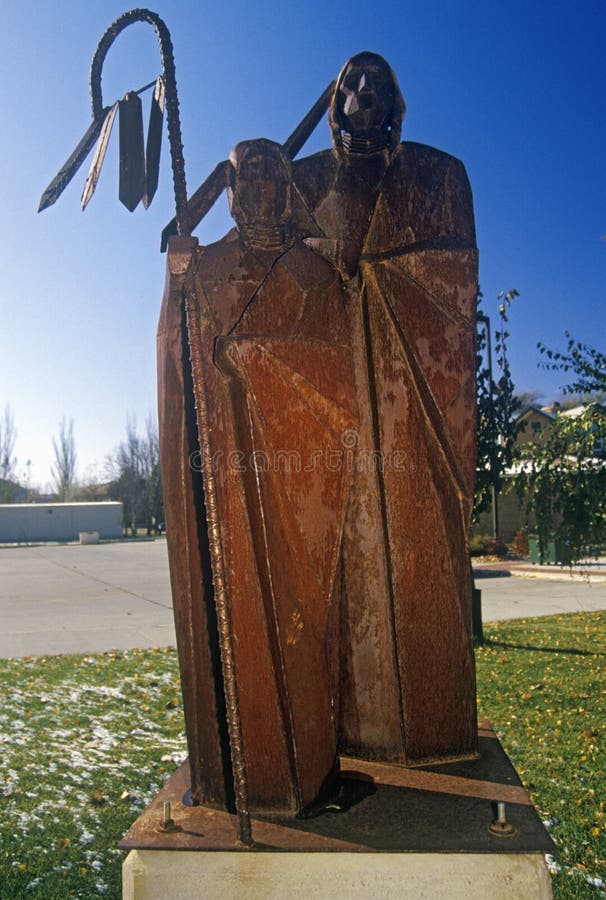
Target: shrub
<point>485,545</point>
<point>496,547</point>
<point>477,544</point>
<point>519,544</point>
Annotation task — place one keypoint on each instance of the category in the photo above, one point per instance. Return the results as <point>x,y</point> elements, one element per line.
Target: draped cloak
<point>258,341</point>
<point>405,664</point>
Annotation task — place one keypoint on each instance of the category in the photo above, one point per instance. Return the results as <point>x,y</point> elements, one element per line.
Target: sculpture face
<point>366,94</point>
<point>261,185</point>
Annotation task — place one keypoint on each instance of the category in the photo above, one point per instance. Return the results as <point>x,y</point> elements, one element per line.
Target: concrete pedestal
<point>163,874</point>
<point>406,833</point>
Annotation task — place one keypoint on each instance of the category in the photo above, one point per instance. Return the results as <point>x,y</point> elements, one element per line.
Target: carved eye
<point>351,81</point>
<point>372,76</point>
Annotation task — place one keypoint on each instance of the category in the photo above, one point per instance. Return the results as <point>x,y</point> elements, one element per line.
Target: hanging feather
<point>97,163</point>
<point>132,151</point>
<point>154,142</point>
<point>71,166</point>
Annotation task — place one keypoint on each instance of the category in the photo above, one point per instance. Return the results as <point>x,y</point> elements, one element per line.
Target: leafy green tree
<point>562,482</point>
<point>496,405</point>
<point>587,365</point>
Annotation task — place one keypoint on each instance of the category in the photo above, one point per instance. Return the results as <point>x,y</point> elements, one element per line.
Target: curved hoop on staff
<point>103,117</point>
<point>172,100</point>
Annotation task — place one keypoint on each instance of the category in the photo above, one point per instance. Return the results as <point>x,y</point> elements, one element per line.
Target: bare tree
<point>154,504</point>
<point>135,468</point>
<point>126,464</point>
<point>8,462</point>
<point>63,471</point>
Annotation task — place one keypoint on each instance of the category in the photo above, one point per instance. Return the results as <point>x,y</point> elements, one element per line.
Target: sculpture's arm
<point>343,255</point>
<point>200,202</point>
<point>460,203</point>
<point>179,265</point>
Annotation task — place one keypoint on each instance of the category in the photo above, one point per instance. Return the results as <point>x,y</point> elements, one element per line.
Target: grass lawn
<point>542,684</point>
<point>86,741</point>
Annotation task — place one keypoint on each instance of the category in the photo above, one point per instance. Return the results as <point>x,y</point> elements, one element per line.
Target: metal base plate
<point>446,808</point>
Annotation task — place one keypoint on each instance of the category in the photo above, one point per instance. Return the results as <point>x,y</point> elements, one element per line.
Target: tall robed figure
<point>397,220</point>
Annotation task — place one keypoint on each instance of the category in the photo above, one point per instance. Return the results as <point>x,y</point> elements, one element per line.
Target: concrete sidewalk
<point>505,596</point>
<point>86,599</point>
<point>519,589</point>
<point>592,570</point>
<point>82,599</point>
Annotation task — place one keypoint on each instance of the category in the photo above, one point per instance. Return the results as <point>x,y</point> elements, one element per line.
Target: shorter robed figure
<point>256,378</point>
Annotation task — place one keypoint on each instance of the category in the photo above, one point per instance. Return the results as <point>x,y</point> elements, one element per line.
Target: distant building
<point>598,412</point>
<point>532,424</point>
<point>26,523</point>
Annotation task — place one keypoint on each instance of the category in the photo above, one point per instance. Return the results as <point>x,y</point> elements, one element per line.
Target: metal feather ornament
<point>139,164</point>
<point>132,152</point>
<point>154,141</point>
<point>99,155</point>
<point>73,163</point>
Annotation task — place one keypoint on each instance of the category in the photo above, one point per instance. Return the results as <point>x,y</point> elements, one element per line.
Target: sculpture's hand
<point>340,254</point>
<point>326,247</point>
<point>180,254</point>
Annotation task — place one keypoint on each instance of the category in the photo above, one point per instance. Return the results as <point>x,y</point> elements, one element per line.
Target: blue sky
<point>514,90</point>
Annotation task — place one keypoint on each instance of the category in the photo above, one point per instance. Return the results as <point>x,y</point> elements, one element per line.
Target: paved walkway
<point>81,599</point>
<point>515,590</point>
<point>85,599</point>
<point>592,570</point>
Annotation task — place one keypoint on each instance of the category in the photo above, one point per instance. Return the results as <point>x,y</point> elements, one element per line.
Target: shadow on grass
<point>573,651</point>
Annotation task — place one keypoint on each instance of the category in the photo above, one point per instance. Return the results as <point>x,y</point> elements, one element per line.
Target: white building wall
<point>31,522</point>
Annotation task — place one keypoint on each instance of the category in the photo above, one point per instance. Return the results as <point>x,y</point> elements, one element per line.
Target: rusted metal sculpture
<point>316,404</point>
<point>396,221</point>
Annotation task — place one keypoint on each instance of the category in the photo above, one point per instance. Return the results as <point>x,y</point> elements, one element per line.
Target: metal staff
<point>51,194</point>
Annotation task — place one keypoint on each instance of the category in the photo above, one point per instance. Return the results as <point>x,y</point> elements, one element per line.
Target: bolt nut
<point>167,823</point>
<point>501,827</point>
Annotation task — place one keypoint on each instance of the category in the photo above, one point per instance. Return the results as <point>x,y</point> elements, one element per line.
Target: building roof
<point>577,411</point>
<point>62,505</point>
<point>538,410</point>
